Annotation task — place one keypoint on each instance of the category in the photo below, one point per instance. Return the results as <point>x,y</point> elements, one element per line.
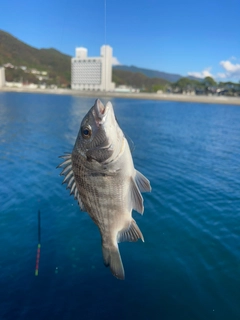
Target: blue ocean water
<point>189,265</point>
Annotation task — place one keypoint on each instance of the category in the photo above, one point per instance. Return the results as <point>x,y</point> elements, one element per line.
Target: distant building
<point>8,65</point>
<point>125,89</point>
<point>92,73</point>
<point>34,71</point>
<point>2,77</point>
<point>14,84</point>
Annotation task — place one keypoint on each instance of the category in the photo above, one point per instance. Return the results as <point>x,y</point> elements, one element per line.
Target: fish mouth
<point>100,111</point>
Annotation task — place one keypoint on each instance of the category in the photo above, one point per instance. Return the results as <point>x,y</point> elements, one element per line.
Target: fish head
<point>100,137</point>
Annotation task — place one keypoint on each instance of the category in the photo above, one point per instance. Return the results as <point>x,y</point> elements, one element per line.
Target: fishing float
<point>39,244</point>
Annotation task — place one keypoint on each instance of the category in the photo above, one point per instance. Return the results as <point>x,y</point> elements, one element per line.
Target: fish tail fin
<point>112,259</point>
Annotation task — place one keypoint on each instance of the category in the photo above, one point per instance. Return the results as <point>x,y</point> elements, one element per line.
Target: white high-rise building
<point>2,77</point>
<point>92,73</point>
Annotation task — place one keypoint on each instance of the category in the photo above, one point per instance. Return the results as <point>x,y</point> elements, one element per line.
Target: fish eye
<point>86,132</point>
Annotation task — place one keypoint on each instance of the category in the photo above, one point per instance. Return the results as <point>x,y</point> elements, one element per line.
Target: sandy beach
<point>147,96</point>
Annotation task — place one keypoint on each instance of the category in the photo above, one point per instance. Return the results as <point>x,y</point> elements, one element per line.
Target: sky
<point>199,38</point>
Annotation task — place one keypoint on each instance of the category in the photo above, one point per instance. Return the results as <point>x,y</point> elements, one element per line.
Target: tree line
<point>206,86</point>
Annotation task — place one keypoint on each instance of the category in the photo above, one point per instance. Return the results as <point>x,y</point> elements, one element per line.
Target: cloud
<point>115,61</point>
<point>231,70</point>
<point>203,74</point>
<point>221,75</point>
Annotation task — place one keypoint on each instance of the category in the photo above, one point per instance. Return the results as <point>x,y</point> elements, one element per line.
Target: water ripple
<point>189,263</point>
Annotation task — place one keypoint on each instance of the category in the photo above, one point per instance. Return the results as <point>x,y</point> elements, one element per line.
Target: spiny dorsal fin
<point>81,205</point>
<point>132,233</point>
<point>136,197</point>
<point>142,182</point>
<point>69,178</point>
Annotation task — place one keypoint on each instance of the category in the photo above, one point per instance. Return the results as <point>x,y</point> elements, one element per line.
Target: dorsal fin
<point>69,178</point>
<point>81,205</point>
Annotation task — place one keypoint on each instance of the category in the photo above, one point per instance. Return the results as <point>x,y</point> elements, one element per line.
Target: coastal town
<point>47,70</point>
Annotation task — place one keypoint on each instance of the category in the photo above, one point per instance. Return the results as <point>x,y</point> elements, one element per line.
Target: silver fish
<point>100,174</point>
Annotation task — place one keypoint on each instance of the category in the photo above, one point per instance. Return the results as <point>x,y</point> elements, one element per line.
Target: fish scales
<point>101,173</point>
<point>97,187</point>
<point>97,192</point>
<point>101,203</point>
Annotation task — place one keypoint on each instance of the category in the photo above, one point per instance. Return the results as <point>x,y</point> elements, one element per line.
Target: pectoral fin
<point>136,197</point>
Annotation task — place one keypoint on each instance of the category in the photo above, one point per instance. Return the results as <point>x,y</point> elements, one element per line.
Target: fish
<point>101,176</point>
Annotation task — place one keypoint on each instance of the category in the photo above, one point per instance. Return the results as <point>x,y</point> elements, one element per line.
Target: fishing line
<point>63,25</point>
<point>105,40</point>
<point>105,21</point>
<point>39,243</point>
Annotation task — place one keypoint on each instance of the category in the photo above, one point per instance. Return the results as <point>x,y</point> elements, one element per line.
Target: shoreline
<point>143,96</point>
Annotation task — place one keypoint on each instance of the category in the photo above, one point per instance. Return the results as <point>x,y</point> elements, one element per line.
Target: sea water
<point>189,265</point>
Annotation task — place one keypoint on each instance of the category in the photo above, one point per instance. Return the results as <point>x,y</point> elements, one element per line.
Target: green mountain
<point>171,77</point>
<point>14,51</point>
<point>138,80</point>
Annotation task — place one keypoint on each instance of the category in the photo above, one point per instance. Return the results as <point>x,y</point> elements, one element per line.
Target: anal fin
<point>132,233</point>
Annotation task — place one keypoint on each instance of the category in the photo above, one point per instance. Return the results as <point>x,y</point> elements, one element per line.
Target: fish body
<point>101,175</point>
